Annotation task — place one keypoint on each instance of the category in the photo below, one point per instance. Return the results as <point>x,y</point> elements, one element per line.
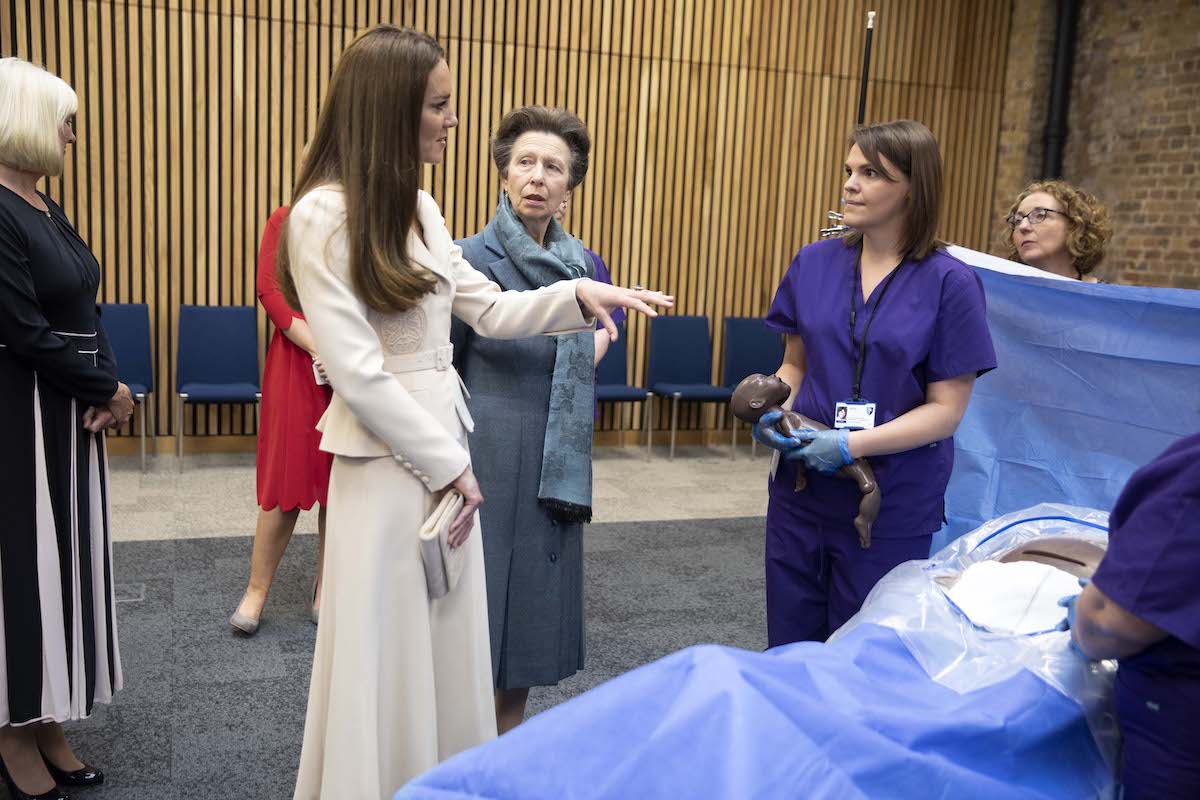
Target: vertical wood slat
<point>718,135</point>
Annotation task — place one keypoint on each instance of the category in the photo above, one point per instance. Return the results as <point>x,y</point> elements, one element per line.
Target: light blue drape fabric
<point>1094,381</point>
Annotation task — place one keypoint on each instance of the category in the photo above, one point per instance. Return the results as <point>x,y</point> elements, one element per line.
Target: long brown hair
<point>368,141</point>
<point>911,148</point>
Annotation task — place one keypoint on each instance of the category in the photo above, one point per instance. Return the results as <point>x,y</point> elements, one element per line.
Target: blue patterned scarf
<point>566,485</point>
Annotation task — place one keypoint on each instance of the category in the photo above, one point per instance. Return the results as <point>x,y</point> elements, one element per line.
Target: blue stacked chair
<point>128,328</point>
<point>681,365</point>
<point>750,347</point>
<point>218,360</point>
<point>612,385</point>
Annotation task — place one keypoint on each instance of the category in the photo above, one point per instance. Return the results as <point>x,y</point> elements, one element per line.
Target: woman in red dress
<point>293,473</point>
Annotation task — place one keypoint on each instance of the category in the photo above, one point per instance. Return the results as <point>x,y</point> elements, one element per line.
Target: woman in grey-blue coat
<point>532,400</point>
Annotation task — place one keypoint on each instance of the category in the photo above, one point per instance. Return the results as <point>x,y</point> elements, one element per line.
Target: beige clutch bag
<point>443,564</point>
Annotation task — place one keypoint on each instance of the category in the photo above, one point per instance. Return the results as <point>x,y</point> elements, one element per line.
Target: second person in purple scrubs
<point>887,325</point>
<point>1142,609</point>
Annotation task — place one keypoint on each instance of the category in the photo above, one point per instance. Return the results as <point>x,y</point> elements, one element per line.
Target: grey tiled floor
<point>674,558</point>
<point>209,714</point>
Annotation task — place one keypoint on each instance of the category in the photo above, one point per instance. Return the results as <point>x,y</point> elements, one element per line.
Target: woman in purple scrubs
<point>1143,609</point>
<point>887,325</point>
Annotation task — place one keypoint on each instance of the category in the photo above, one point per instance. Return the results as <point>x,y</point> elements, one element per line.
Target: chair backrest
<point>217,344</point>
<point>750,347</point>
<point>128,329</point>
<point>613,369</point>
<point>680,350</point>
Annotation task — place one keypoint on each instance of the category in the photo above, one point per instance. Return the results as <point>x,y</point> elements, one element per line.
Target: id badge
<point>856,415</point>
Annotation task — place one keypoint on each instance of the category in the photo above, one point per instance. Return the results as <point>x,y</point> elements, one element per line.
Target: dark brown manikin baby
<point>758,394</point>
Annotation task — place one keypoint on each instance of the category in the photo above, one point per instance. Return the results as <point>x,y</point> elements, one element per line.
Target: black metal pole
<point>866,69</point>
<point>838,228</point>
<point>1060,89</point>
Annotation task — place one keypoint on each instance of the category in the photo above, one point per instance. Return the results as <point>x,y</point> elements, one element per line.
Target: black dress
<point>58,636</point>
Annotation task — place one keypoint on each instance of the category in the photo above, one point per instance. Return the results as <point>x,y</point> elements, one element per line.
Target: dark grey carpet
<point>207,713</point>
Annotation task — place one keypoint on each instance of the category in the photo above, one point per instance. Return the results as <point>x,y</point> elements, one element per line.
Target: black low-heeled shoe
<point>17,794</point>
<point>86,776</point>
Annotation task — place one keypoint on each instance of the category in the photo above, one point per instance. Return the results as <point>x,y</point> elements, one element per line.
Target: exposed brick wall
<point>1135,134</point>
<point>1026,99</point>
<point>1134,127</point>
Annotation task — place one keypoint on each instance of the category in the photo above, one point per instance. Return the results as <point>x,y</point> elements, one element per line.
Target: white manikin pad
<point>1020,597</point>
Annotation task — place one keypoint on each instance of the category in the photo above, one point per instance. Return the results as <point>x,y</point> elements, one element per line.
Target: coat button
<point>553,557</point>
<point>554,523</point>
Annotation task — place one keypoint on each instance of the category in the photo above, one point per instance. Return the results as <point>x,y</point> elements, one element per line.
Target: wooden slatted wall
<point>719,130</point>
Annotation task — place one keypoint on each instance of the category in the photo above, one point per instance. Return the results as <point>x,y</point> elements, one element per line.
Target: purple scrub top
<point>1153,561</point>
<point>618,314</point>
<point>931,326</point>
<point>1151,570</point>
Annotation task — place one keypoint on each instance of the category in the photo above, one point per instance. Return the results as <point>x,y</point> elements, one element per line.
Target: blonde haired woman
<point>399,681</point>
<point>58,393</point>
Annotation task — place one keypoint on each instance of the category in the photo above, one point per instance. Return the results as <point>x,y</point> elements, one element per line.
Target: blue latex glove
<point>826,452</point>
<point>764,432</point>
<point>1067,624</point>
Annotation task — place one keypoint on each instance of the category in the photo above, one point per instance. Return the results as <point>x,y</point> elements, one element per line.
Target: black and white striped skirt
<point>58,631</point>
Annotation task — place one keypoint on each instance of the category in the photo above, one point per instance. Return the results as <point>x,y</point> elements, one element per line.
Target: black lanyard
<point>855,290</point>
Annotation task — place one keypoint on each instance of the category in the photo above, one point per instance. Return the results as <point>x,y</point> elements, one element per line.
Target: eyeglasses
<point>1036,217</point>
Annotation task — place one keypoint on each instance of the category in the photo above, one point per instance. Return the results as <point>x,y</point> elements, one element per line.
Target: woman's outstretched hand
<point>598,299</point>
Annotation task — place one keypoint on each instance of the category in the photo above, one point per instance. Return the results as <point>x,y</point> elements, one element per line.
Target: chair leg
<point>152,414</point>
<point>733,445</point>
<point>753,447</point>
<point>674,420</point>
<point>647,413</point>
<point>179,400</point>
<point>141,398</point>
<point>257,412</point>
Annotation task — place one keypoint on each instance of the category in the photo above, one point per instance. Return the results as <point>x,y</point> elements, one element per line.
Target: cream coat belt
<point>439,359</point>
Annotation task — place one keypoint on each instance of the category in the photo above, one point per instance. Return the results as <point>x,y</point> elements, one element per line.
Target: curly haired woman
<point>1059,228</point>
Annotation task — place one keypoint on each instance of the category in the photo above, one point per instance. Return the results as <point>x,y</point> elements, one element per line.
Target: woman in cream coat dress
<point>399,682</point>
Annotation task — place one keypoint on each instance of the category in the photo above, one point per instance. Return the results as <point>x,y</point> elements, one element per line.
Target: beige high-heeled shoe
<point>243,623</point>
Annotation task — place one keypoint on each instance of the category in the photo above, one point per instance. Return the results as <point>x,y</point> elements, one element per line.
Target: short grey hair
<point>34,104</point>
<point>543,119</point>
